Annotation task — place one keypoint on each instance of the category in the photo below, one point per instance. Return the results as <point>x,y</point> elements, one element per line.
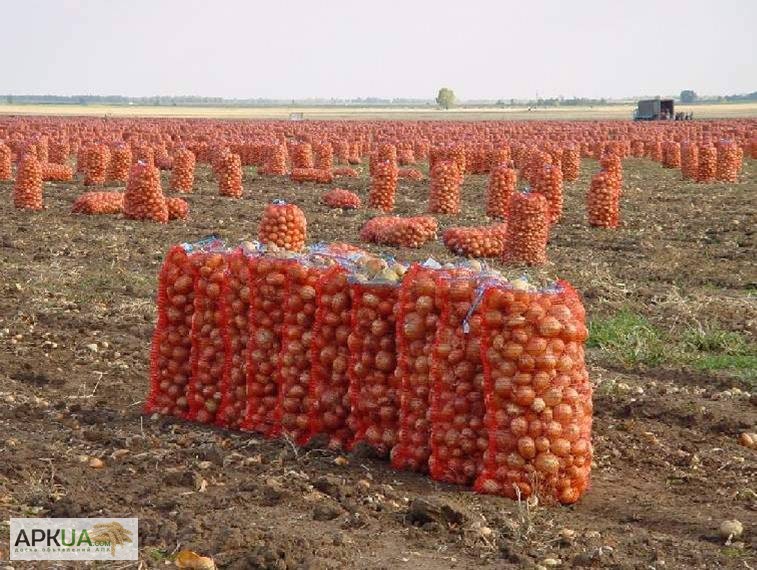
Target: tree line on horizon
<point>445,99</point>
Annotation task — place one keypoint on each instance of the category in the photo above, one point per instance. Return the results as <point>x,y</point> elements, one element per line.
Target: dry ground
<point>671,299</point>
<point>711,111</point>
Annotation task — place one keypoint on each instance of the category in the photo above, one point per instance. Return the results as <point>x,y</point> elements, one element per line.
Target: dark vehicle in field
<point>655,110</point>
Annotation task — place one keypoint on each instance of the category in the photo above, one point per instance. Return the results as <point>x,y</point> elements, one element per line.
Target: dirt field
<point>625,112</point>
<point>671,300</point>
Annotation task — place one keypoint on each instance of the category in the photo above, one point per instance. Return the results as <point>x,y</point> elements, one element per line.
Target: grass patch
<point>631,340</point>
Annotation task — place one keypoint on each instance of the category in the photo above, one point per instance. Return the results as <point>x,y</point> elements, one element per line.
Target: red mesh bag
<point>417,317</point>
<point>458,435</point>
<point>27,191</point>
<point>689,161</point>
<point>653,150</point>
<point>143,199</point>
<point>59,151</point>
<point>613,167</point>
<point>235,313</point>
<point>571,163</point>
<point>98,158</point>
<point>708,163</point>
<point>312,175</point>
<point>267,299</point>
<point>499,156</point>
<point>550,184</point>
<point>183,172</point>
<point>405,156</point>
<point>671,155</point>
<point>294,361</point>
<point>329,380</point>
<point>99,203</point>
<point>276,160</point>
<point>6,165</point>
<point>383,186</point>
<point>729,161</point>
<point>399,232</point>
<point>340,198</point>
<point>143,153</point>
<point>57,172</point>
<point>481,241</point>
<point>345,171</point>
<point>410,174</point>
<point>230,175</point>
<point>602,202</point>
<point>537,394</point>
<point>499,192</point>
<point>170,359</point>
<point>208,348</point>
<point>283,225</point>
<point>445,188</point>
<point>373,391</point>
<point>178,209</point>
<point>120,163</point>
<point>81,159</point>
<point>324,156</point>
<point>302,156</point>
<point>527,229</point>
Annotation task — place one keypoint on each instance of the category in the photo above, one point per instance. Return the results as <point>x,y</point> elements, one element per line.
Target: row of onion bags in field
<point>452,370</point>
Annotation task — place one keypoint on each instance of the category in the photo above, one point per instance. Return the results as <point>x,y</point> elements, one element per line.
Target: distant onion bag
<point>120,163</point>
<point>98,159</point>
<point>527,229</point>
<point>571,163</point>
<point>170,357</point>
<point>502,185</point>
<point>143,199</point>
<point>417,318</point>
<point>458,434</point>
<point>99,203</point>
<point>57,172</point>
<point>329,378</point>
<point>27,191</point>
<point>178,209</point>
<point>374,386</point>
<point>230,175</point>
<point>267,302</point>
<point>340,198</point>
<point>383,186</point>
<point>283,225</point>
<point>602,202</point>
<point>708,163</point>
<point>689,161</point>
<point>729,161</point>
<point>208,349</point>
<point>6,166</point>
<point>235,312</point>
<point>537,393</point>
<point>445,188</point>
<point>183,172</point>
<point>479,241</point>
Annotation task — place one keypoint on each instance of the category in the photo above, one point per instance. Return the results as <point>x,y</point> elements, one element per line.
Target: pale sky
<point>352,48</point>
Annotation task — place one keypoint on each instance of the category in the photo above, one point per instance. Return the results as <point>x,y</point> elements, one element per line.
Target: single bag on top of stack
<point>451,370</point>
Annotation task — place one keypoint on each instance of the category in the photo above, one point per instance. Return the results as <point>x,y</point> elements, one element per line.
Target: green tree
<point>688,96</point>
<point>446,98</point>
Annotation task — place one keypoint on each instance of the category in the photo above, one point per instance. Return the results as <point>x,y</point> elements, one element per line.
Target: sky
<point>353,48</point>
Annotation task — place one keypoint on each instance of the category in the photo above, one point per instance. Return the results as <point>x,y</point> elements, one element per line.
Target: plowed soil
<point>77,310</point>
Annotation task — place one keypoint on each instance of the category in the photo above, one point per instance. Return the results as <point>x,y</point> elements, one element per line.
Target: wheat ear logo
<point>112,533</point>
